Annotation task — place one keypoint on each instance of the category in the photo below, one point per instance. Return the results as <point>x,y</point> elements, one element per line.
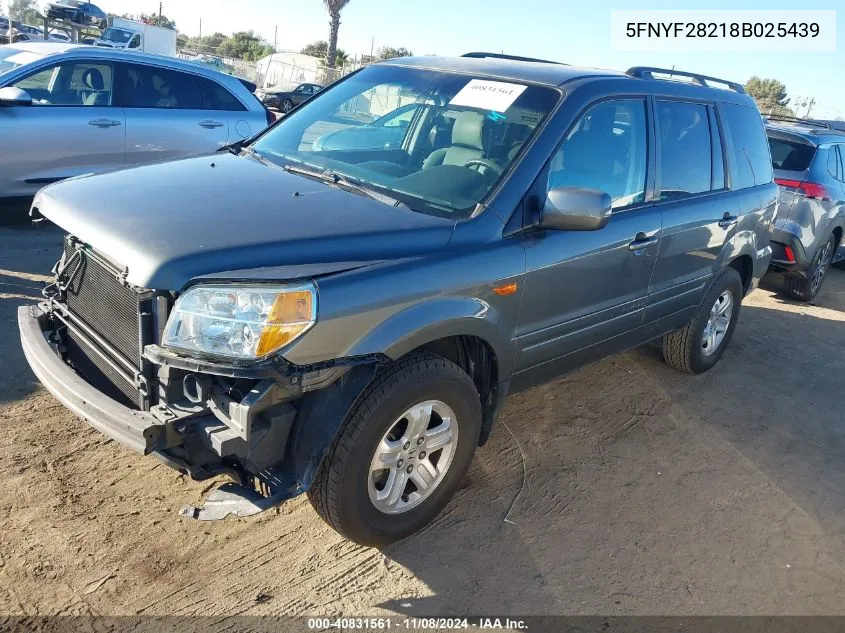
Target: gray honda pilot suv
<point>348,322</point>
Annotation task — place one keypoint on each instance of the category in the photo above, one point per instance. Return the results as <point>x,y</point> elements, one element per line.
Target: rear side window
<point>216,97</point>
<point>750,159</point>
<point>686,157</point>
<point>153,87</point>
<point>791,155</point>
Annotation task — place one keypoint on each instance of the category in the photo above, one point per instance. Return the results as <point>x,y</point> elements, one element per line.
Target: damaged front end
<point>95,343</point>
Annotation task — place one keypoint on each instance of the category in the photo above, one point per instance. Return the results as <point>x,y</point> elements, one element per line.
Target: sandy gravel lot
<point>649,492</point>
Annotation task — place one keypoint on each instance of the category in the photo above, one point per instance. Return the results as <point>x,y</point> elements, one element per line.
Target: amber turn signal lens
<point>507,289</point>
<point>292,312</point>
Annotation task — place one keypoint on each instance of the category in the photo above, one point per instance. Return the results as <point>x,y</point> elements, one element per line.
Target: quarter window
<point>605,150</point>
<point>70,84</point>
<point>686,159</point>
<point>216,97</point>
<point>750,159</point>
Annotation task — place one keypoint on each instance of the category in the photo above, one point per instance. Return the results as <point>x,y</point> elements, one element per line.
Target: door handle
<point>210,124</point>
<point>728,221</point>
<point>104,122</point>
<point>642,241</point>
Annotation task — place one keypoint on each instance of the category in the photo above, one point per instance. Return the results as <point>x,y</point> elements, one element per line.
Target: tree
<point>154,18</point>
<point>770,95</point>
<point>245,45</point>
<point>25,11</point>
<point>320,49</point>
<point>334,7</point>
<point>388,52</point>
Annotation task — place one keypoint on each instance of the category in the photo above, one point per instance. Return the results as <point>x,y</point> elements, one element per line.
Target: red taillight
<point>790,256</point>
<point>809,189</point>
<point>271,118</point>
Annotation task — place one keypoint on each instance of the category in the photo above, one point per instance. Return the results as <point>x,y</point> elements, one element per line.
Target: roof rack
<point>647,72</point>
<point>517,58</point>
<point>793,119</point>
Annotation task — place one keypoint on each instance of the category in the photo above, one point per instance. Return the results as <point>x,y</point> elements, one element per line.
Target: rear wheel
<point>805,289</point>
<point>700,344</point>
<point>401,453</point>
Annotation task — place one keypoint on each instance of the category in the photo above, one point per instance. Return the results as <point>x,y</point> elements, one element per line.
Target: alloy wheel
<point>717,323</point>
<point>821,267</point>
<point>413,457</point>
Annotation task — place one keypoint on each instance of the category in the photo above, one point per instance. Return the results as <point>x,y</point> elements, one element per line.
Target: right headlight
<point>240,321</point>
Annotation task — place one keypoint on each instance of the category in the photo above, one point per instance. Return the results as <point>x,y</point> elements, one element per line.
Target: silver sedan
<point>67,110</point>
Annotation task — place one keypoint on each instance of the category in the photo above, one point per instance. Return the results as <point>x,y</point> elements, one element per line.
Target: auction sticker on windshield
<point>489,95</point>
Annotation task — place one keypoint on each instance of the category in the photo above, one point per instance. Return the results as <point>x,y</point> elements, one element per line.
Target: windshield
<point>71,3</point>
<point>11,58</point>
<point>118,36</point>
<point>436,141</point>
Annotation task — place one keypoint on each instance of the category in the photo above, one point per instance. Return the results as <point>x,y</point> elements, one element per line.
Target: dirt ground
<point>648,492</point>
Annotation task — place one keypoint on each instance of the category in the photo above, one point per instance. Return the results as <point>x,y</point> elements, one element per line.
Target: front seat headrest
<point>468,129</point>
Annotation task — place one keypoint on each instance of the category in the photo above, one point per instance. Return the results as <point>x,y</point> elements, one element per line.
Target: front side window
<point>80,83</point>
<point>606,150</point>
<point>686,160</point>
<point>751,160</point>
<point>464,133</point>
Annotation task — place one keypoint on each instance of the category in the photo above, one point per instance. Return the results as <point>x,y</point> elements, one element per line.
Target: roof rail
<point>647,72</point>
<point>517,58</point>
<point>792,119</point>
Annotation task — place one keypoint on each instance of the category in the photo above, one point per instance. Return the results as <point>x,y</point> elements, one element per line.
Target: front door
<point>71,128</point>
<point>586,290</point>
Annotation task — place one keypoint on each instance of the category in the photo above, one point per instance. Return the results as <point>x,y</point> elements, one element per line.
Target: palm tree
<point>334,7</point>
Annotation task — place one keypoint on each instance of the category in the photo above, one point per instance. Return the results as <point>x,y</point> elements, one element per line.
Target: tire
<point>103,25</point>
<point>686,349</point>
<point>342,490</point>
<point>805,289</point>
<point>286,106</point>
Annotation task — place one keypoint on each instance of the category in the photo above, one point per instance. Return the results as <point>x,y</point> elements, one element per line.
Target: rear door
<point>166,115</point>
<point>698,211</point>
<point>73,127</point>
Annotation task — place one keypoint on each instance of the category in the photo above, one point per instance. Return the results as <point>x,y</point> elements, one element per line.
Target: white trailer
<point>138,36</point>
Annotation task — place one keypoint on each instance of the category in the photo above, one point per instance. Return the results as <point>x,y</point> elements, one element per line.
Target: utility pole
<point>159,13</point>
<point>372,47</point>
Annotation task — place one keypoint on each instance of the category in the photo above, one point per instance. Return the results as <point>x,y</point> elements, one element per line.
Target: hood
<point>170,222</point>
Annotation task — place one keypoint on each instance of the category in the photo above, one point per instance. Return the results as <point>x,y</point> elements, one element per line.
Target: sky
<point>572,32</point>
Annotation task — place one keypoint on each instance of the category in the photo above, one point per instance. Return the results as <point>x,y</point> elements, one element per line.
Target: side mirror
<point>575,209</point>
<point>14,97</point>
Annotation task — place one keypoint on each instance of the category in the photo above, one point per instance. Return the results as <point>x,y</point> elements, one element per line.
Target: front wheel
<point>700,344</point>
<point>401,453</point>
<point>287,105</point>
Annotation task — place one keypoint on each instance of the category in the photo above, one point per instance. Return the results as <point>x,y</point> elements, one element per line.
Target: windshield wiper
<point>342,180</point>
<point>251,152</point>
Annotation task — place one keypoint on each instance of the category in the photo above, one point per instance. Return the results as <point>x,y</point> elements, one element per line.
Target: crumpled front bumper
<point>137,430</point>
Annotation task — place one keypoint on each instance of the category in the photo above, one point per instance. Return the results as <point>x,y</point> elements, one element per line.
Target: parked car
<point>59,36</point>
<point>286,100</point>
<point>350,323</point>
<point>386,131</point>
<point>807,157</point>
<point>169,109</point>
<point>79,12</point>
